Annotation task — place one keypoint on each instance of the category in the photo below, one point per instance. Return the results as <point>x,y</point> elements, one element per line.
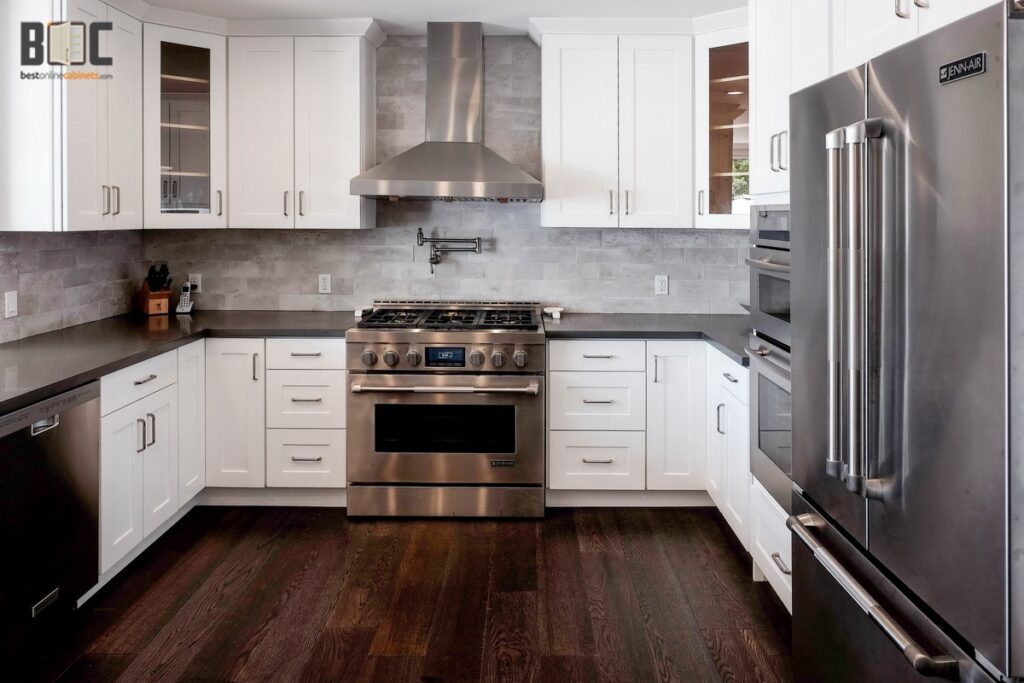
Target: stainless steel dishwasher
<point>49,508</point>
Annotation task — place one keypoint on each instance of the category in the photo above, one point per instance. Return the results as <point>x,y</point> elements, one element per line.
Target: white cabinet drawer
<point>597,400</point>
<point>771,543</point>
<point>734,378</point>
<point>305,354</point>
<point>126,386</point>
<point>597,355</point>
<point>596,460</point>
<point>306,458</point>
<point>306,399</point>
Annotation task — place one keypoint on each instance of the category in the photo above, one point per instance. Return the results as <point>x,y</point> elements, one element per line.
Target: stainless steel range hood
<point>453,164</point>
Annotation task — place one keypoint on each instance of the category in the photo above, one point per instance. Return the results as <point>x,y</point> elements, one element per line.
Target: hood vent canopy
<point>453,164</point>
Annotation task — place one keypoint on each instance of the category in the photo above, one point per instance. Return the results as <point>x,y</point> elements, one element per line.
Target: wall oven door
<point>771,421</point>
<point>446,429</point>
<point>770,293</point>
<point>769,226</point>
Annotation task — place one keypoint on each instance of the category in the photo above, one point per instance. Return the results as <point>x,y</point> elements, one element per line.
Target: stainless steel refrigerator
<point>907,199</point>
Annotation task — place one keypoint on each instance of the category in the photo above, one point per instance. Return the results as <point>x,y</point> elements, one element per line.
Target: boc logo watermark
<point>65,43</point>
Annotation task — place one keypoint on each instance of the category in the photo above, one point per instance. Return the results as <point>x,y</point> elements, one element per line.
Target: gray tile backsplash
<point>69,278</point>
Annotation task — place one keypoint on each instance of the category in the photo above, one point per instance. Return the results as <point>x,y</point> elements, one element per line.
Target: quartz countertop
<point>36,368</point>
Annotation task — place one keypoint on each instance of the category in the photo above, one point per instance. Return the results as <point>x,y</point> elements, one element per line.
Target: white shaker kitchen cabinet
<point>580,131</point>
<point>334,124</point>
<point>864,29</point>
<point>722,128</point>
<point>261,125</point>
<point>715,442</point>
<point>160,458</point>
<point>736,478</point>
<point>184,128</point>
<point>124,122</point>
<point>236,413</point>
<point>811,43</point>
<point>771,42</point>
<point>939,13</point>
<point>122,443</point>
<point>655,131</point>
<point>191,420</point>
<point>676,415</point>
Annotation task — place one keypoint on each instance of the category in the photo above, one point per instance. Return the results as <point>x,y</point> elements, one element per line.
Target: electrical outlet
<point>10,304</point>
<point>324,283</point>
<point>197,282</point>
<point>661,285</point>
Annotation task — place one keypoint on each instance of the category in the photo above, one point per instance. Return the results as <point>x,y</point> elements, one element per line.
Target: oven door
<point>445,429</point>
<point>771,425</point>
<point>769,293</point>
<point>769,226</point>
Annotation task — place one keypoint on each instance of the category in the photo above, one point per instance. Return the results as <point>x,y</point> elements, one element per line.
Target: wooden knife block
<point>153,303</point>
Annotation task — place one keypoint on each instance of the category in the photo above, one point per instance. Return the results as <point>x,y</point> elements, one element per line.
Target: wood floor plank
<point>96,668</point>
<point>565,625</point>
<point>406,626</point>
<point>455,643</point>
<point>567,669</point>
<point>390,669</point>
<point>512,641</point>
<point>339,654</point>
<point>515,562</point>
<point>733,658</point>
<point>368,588</point>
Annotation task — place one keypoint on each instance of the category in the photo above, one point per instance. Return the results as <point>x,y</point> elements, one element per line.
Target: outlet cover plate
<point>661,285</point>
<point>10,304</point>
<point>197,282</point>
<point>324,283</point>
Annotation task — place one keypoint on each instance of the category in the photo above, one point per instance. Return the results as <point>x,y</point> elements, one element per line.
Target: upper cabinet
<point>722,118</point>
<point>185,128</point>
<point>299,129</point>
<point>617,125</point>
<point>102,121</point>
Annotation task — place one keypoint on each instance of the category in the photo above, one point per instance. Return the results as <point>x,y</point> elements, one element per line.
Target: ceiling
<point>409,17</point>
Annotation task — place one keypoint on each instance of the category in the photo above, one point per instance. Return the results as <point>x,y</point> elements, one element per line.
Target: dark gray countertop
<point>36,368</point>
<point>728,333</point>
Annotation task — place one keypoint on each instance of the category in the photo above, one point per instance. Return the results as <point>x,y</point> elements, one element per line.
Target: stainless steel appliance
<point>906,379</point>
<point>446,410</point>
<point>49,513</point>
<point>771,419</point>
<point>770,293</point>
<point>769,226</point>
<point>453,163</point>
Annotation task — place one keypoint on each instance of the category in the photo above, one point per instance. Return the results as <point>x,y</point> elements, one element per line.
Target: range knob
<point>369,357</point>
<point>391,358</point>
<point>498,359</point>
<point>413,357</point>
<point>476,358</point>
<point>519,358</point>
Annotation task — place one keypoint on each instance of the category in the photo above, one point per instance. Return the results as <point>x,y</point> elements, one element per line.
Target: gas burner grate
<point>509,320</point>
<point>448,319</point>
<point>392,318</point>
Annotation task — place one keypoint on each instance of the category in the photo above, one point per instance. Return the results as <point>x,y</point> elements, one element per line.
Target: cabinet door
<point>580,131</point>
<point>864,29</point>
<point>656,131</point>
<point>736,471</point>
<point>329,130</point>
<point>261,144</point>
<point>722,128</point>
<point>160,458</point>
<point>716,439</point>
<point>810,30</point>
<point>939,13</point>
<point>87,189</point>
<point>184,128</point>
<point>121,446</point>
<point>771,67</point>
<point>235,420</point>
<point>124,122</point>
<point>676,415</point>
<point>191,420</point>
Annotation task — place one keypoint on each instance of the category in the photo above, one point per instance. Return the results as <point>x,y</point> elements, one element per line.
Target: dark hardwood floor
<point>279,594</point>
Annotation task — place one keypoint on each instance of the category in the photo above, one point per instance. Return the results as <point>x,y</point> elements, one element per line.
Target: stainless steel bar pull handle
<point>142,422</point>
<point>302,196</point>
<point>592,401</point>
<point>318,458</point>
<point>627,202</point>
<point>220,203</point>
<point>611,202</point>
<point>592,461</point>
<point>940,666</point>
<point>656,359</point>
<point>700,203</point>
<point>777,559</point>
<point>834,142</point>
<point>900,12</point>
<point>531,389</point>
<point>307,400</point>
<point>298,354</point>
<point>255,359</point>
<point>144,380</point>
<point>152,435</point>
<point>598,356</point>
<point>729,377</point>
<point>771,154</point>
<point>767,264</point>
<point>117,200</point>
<point>718,418</point>
<point>106,200</point>
<point>784,150</point>
<point>286,202</point>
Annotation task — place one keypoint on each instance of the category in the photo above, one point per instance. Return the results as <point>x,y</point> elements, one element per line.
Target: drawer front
<point>771,543</point>
<point>305,354</point>
<point>734,378</point>
<point>306,399</point>
<point>597,401</point>
<point>306,458</point>
<point>126,386</point>
<point>589,355</point>
<point>610,461</point>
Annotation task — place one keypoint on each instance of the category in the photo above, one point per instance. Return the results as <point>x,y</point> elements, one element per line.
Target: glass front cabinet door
<point>722,85</point>
<point>185,99</point>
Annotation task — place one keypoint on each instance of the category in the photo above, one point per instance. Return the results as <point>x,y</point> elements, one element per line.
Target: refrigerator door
<point>935,198</point>
<point>851,624</point>
<point>814,112</point>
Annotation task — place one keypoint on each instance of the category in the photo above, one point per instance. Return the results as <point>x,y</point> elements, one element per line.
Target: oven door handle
<point>531,389</point>
<point>764,264</point>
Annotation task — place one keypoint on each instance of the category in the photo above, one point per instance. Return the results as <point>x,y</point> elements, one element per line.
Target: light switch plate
<point>324,283</point>
<point>10,304</point>
<point>661,285</point>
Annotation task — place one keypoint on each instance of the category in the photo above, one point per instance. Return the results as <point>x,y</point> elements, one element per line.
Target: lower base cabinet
<point>306,458</point>
<point>771,543</point>
<point>597,461</point>
<point>236,413</point>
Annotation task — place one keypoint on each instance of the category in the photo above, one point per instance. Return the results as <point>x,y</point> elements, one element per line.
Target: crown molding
<point>538,26</point>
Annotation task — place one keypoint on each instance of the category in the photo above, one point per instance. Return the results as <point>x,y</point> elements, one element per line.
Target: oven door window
<point>775,423</point>
<point>444,428</point>
<point>773,297</point>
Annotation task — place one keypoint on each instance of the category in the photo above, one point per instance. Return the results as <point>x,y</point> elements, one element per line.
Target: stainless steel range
<point>446,410</point>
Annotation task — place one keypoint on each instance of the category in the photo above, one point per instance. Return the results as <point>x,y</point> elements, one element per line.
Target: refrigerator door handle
<point>834,143</point>
<point>941,666</point>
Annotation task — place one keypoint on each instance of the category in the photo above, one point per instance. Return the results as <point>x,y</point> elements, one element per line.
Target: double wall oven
<point>446,410</point>
<point>771,442</point>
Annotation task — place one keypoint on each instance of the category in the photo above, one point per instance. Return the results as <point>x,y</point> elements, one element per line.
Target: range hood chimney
<point>453,163</point>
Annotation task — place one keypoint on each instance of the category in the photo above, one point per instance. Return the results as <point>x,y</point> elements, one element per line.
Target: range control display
<point>446,357</point>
